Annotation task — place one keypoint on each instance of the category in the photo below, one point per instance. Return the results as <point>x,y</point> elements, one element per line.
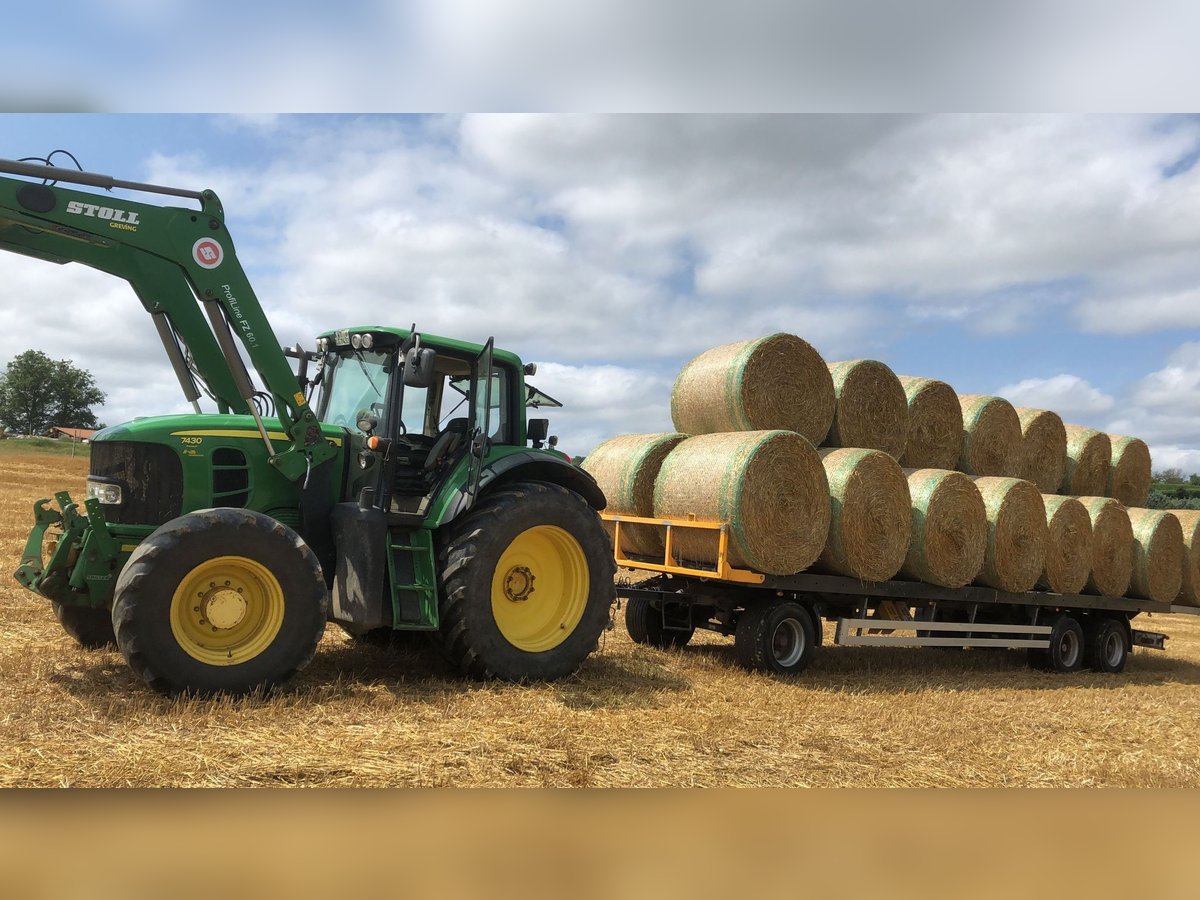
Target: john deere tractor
<point>386,480</point>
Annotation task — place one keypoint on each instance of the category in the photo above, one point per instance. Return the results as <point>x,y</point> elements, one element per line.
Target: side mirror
<point>536,430</point>
<point>418,366</point>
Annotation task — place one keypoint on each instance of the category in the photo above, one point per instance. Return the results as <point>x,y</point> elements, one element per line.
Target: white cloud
<point>1141,313</point>
<point>1068,395</point>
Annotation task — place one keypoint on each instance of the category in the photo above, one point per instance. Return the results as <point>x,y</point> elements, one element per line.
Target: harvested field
<point>632,716</point>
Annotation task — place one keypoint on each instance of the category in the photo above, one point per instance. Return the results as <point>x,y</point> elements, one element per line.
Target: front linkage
<point>83,562</point>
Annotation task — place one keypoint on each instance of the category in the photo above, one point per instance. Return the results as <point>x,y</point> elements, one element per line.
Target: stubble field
<point>366,716</point>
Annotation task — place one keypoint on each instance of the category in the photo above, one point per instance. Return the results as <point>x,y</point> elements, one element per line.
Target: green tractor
<point>390,482</point>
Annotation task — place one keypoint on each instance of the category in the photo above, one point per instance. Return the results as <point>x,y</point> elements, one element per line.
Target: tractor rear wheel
<point>527,584</point>
<point>91,626</point>
<point>220,600</point>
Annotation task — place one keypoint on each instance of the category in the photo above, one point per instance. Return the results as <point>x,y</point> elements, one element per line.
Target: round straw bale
<point>625,467</point>
<point>1189,520</point>
<point>769,486</point>
<point>872,410</point>
<point>1157,555</point>
<point>935,431</point>
<point>1016,540</point>
<point>870,514</point>
<point>1112,547</point>
<point>1089,455</point>
<point>1043,456</point>
<point>777,381</point>
<point>991,436</point>
<point>1129,473</point>
<point>1068,545</point>
<point>950,528</point>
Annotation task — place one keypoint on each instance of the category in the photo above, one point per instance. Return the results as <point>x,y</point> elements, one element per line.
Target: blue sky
<point>1049,257</point>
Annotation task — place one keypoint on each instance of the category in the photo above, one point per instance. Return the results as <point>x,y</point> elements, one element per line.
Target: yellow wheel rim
<point>540,588</point>
<point>227,610</point>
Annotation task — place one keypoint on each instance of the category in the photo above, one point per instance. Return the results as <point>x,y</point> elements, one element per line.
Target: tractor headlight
<point>322,344</point>
<point>356,341</point>
<point>106,492</point>
<point>367,342</point>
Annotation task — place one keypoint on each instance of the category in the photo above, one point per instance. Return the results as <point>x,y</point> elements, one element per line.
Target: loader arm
<point>182,266</point>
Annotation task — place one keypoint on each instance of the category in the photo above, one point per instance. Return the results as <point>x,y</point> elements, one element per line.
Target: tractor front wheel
<point>527,584</point>
<point>91,626</point>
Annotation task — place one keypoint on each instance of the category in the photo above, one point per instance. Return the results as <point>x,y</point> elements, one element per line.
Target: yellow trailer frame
<point>671,564</point>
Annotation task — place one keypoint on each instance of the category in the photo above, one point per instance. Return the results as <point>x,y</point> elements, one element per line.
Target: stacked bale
<point>935,432</point>
<point>1068,545</point>
<point>870,514</point>
<point>769,486</point>
<point>1112,547</point>
<point>1129,472</point>
<point>991,436</point>
<point>871,410</point>
<point>626,467</point>
<point>773,382</point>
<point>1189,521</point>
<point>1016,540</point>
<point>1043,455</point>
<point>1089,455</point>
<point>1157,555</point>
<point>949,528</point>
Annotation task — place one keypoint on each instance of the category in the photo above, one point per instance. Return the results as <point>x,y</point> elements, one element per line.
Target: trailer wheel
<point>1106,647</point>
<point>779,638</point>
<point>1066,650</point>
<point>90,626</point>
<point>644,622</point>
<point>220,600</point>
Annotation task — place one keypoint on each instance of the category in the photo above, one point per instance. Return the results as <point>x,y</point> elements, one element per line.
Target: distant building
<point>72,434</point>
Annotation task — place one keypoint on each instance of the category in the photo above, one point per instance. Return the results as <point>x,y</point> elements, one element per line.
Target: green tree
<point>38,393</point>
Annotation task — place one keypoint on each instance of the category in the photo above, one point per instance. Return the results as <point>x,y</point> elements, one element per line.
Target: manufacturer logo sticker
<point>207,253</point>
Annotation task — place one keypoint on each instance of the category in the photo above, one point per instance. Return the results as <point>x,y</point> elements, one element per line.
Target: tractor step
<point>413,579</point>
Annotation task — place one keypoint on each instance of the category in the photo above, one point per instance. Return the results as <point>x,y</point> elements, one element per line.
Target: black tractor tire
<point>549,635</point>
<point>280,597</point>
<point>1106,645</point>
<point>91,626</point>
<point>779,638</point>
<point>644,622</point>
<point>1066,650</point>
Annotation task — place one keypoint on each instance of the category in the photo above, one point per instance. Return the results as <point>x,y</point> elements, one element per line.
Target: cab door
<point>481,412</point>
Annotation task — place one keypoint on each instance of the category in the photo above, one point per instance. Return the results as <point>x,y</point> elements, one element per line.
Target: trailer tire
<point>494,623</point>
<point>91,626</point>
<point>644,622</point>
<point>779,638</point>
<point>1066,651</point>
<point>1106,647</point>
<point>220,601</point>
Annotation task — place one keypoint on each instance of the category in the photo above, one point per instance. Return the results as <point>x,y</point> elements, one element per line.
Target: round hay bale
<point>1112,547</point>
<point>991,436</point>
<point>625,467</point>
<point>950,528</point>
<point>1129,472</point>
<point>1157,555</point>
<point>773,382</point>
<point>769,486</point>
<point>1016,538</point>
<point>1043,455</point>
<point>1068,545</point>
<point>1089,455</point>
<point>872,409</point>
<point>1189,521</point>
<point>870,521</point>
<point>935,432</point>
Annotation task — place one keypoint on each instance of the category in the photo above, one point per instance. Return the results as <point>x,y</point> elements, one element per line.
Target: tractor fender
<point>530,466</point>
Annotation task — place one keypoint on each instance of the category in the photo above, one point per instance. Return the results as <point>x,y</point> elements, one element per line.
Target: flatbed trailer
<point>776,620</point>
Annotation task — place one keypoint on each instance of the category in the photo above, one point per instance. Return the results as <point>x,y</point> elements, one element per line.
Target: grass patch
<point>11,445</point>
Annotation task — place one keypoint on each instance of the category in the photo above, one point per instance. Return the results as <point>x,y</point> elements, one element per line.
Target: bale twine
<point>769,485</point>
<point>870,514</point>
<point>777,381</point>
<point>991,436</point>
<point>1112,547</point>
<point>1068,545</point>
<point>1157,555</point>
<point>871,411</point>
<point>1089,455</point>
<point>950,528</point>
<point>625,467</point>
<point>1129,472</point>
<point>1016,537</point>
<point>1043,455</point>
<point>1189,521</point>
<point>935,432</point>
